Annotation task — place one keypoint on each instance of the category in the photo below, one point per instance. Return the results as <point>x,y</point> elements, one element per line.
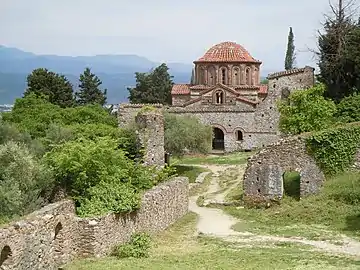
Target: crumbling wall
<point>127,112</point>
<point>150,128</point>
<point>263,177</point>
<point>53,236</point>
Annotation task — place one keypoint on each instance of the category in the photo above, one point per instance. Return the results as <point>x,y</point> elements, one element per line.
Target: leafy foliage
<point>154,87</point>
<point>35,115</point>
<point>290,52</point>
<point>56,88</point>
<point>348,109</point>
<point>89,92</point>
<point>334,148</point>
<point>186,133</point>
<point>138,247</point>
<point>99,175</point>
<point>23,180</point>
<point>306,110</point>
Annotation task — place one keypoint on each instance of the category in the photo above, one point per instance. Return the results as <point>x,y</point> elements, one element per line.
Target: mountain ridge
<point>117,72</point>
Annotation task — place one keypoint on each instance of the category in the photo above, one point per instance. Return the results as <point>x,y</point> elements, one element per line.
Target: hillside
<point>116,71</point>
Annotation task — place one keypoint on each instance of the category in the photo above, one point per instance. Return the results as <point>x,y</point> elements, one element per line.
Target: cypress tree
<point>290,52</point>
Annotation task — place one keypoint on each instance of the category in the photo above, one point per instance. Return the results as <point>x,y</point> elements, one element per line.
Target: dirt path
<point>214,222</point>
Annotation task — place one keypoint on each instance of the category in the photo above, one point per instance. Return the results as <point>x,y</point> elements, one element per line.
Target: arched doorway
<point>218,139</point>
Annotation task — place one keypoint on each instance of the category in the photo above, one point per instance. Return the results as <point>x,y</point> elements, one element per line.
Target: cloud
<point>160,29</point>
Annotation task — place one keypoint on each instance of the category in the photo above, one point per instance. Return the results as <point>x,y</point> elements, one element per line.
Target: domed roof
<point>227,52</point>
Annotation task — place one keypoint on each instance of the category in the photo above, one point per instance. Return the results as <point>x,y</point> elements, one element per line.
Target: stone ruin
<point>263,177</point>
<point>53,236</point>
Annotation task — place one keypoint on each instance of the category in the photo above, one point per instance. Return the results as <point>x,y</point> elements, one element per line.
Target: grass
<point>190,172</point>
<point>229,159</point>
<point>201,188</point>
<point>335,211</point>
<point>178,248</point>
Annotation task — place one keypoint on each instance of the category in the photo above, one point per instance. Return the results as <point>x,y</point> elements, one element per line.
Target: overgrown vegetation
<point>138,247</point>
<point>186,134</point>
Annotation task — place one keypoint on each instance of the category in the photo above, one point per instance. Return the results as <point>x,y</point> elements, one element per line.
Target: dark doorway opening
<point>291,180</point>
<point>218,139</point>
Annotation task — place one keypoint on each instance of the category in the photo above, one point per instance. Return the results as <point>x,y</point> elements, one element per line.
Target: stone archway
<point>218,142</point>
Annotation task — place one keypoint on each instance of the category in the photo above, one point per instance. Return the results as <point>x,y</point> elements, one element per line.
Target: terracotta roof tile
<point>227,52</point>
<point>180,89</point>
<point>289,72</point>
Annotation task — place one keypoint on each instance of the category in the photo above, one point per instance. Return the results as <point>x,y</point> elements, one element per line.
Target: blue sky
<point>161,30</point>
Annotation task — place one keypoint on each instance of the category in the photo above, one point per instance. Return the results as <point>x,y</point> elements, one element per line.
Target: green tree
<point>153,87</point>
<point>56,88</point>
<point>90,92</point>
<point>186,133</point>
<point>348,109</point>
<point>339,53</point>
<point>290,52</point>
<point>192,80</point>
<point>306,110</point>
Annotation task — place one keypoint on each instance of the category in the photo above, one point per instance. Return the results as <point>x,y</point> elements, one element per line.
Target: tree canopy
<point>56,88</point>
<point>153,87</point>
<point>89,91</point>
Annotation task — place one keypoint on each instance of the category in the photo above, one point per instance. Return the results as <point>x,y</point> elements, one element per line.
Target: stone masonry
<point>227,95</point>
<point>54,235</point>
<point>263,177</point>
<point>150,128</point>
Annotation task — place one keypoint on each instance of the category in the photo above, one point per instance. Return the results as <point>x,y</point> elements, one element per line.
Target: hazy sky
<point>161,30</point>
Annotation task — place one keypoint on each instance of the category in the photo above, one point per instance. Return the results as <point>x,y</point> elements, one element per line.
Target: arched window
<point>256,76</point>
<point>236,76</point>
<point>239,135</point>
<point>219,97</point>
<point>211,76</point>
<point>223,76</point>
<point>5,256</point>
<point>247,76</point>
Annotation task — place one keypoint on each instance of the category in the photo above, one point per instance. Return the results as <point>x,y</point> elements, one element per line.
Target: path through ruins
<point>216,223</point>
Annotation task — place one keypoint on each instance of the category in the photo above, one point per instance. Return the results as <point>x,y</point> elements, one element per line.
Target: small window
<point>219,97</point>
<point>223,76</point>
<point>239,135</point>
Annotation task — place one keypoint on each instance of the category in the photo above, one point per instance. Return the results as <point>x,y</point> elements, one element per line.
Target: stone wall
<point>263,177</point>
<point>53,236</point>
<point>127,112</point>
<point>150,127</point>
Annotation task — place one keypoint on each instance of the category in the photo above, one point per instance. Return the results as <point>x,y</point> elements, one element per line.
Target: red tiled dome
<point>227,52</point>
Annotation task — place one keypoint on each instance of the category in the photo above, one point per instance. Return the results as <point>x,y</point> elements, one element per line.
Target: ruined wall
<point>263,176</point>
<point>150,126</point>
<point>127,112</point>
<point>53,236</point>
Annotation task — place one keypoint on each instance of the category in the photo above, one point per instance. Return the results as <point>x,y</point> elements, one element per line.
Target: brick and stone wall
<point>263,177</point>
<point>259,123</point>
<point>54,235</point>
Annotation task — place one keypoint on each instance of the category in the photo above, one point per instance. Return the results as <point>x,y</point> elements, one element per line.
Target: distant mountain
<point>115,71</point>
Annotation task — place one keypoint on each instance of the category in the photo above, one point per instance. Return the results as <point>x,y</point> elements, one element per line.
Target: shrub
<point>23,180</point>
<point>138,247</point>
<point>348,110</point>
<point>334,149</point>
<point>88,169</point>
<point>306,110</point>
<point>186,133</point>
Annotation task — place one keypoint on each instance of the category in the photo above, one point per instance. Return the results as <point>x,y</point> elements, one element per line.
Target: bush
<point>23,181</point>
<point>186,133</point>
<point>348,110</point>
<point>88,169</point>
<point>138,247</point>
<point>306,110</point>
<point>334,149</point>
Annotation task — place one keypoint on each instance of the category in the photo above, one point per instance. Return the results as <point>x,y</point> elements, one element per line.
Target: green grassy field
<point>336,210</point>
<point>190,172</point>
<point>178,248</point>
